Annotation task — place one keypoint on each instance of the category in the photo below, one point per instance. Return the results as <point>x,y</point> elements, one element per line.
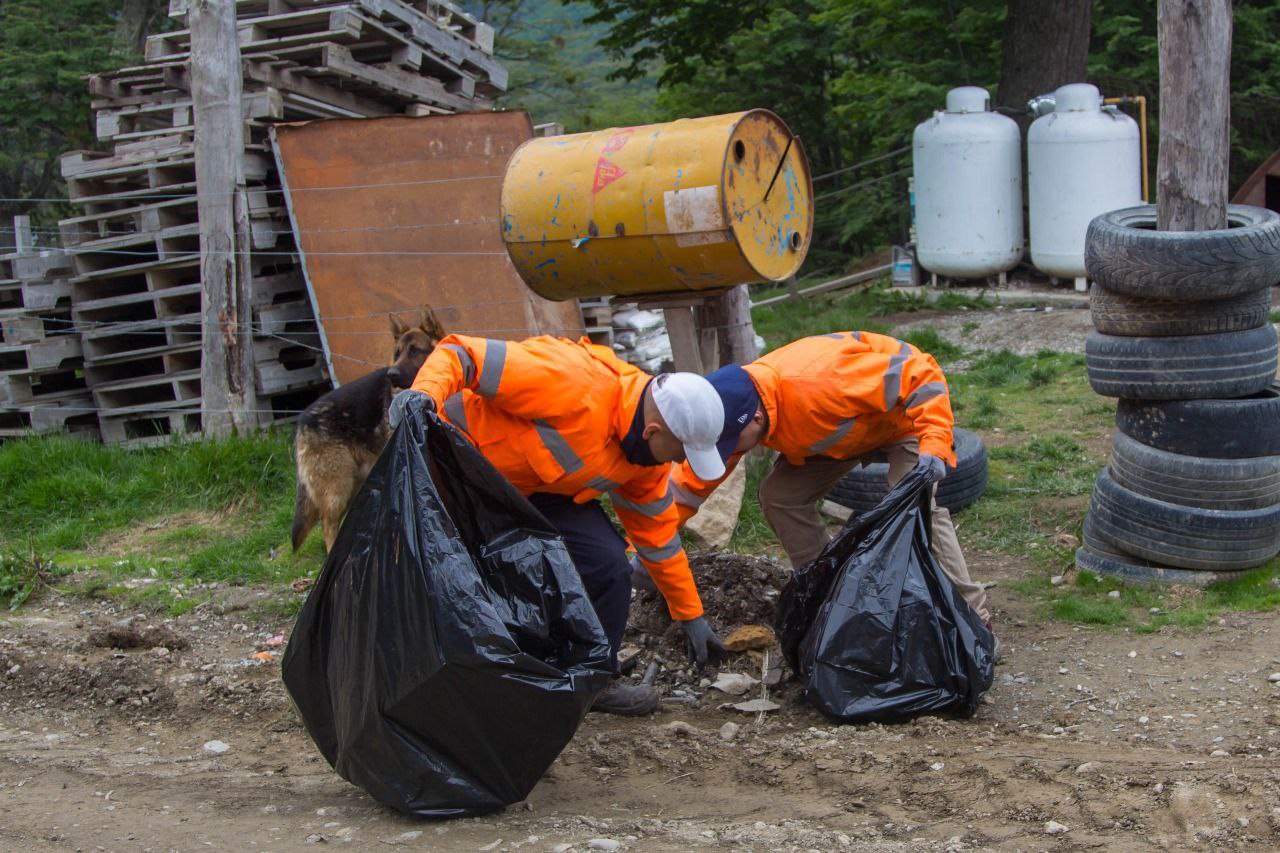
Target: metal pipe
<point>1141,101</point>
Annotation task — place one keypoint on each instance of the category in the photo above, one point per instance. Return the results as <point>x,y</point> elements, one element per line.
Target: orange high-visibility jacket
<point>550,414</point>
<point>841,395</point>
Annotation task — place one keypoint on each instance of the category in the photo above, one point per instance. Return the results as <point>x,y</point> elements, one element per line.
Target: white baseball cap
<point>693,410</point>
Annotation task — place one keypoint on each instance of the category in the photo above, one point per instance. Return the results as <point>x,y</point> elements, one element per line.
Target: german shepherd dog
<point>340,435</point>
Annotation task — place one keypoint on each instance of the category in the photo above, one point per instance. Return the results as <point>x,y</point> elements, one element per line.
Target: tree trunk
<point>1195,114</point>
<point>136,17</point>
<point>226,370</point>
<point>1046,45</point>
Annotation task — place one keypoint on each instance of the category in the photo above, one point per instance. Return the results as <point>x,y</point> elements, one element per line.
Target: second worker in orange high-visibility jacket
<point>827,403</point>
<point>566,422</point>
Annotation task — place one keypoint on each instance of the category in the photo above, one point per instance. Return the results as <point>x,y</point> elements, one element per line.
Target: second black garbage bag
<point>875,629</point>
<point>448,651</point>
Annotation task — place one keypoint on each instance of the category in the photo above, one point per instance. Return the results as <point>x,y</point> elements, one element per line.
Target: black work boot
<point>628,700</point>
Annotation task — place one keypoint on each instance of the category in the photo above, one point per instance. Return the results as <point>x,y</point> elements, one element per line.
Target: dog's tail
<point>305,515</point>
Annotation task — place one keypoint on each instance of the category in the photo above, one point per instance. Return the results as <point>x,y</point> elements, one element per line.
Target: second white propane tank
<point>1082,160</point>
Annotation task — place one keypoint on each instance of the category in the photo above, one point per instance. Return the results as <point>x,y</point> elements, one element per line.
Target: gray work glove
<point>936,467</point>
<point>704,646</point>
<point>640,577</point>
<point>400,402</point>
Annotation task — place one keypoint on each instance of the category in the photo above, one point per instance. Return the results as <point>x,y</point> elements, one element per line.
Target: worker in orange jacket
<point>828,403</point>
<point>567,422</point>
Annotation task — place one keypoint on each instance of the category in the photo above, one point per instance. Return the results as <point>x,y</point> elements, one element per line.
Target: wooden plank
<point>829,286</point>
<point>685,350</point>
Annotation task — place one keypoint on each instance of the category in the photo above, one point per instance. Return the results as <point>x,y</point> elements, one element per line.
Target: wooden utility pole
<point>1195,114</point>
<point>227,389</point>
<point>737,333</point>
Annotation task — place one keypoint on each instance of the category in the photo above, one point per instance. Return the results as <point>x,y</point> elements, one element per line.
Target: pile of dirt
<point>126,635</point>
<point>737,591</point>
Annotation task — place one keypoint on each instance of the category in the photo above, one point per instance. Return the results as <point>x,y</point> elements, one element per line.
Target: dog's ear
<point>428,322</point>
<point>397,328</point>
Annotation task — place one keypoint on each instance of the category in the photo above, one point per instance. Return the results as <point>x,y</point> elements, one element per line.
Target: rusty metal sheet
<point>397,212</point>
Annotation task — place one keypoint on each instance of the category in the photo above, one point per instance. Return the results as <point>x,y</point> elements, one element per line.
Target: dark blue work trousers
<point>600,555</point>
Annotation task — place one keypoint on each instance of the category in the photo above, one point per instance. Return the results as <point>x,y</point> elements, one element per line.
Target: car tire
<point>1183,537</point>
<point>862,488</point>
<point>1103,558</point>
<point>1217,429</point>
<point>1117,313</point>
<point>1124,253</point>
<point>1226,484</point>
<point>1191,367</point>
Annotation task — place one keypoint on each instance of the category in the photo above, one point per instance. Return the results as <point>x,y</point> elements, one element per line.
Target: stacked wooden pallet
<point>42,384</point>
<point>136,291</point>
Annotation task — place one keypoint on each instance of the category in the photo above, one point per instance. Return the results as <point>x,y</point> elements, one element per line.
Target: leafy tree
<point>557,71</point>
<point>46,49</point>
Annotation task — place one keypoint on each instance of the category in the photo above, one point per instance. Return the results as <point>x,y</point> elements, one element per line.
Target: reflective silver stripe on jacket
<point>829,441</point>
<point>602,484</point>
<point>893,377</point>
<point>468,363</point>
<point>684,497</point>
<point>495,356</point>
<point>454,410</point>
<point>924,393</point>
<point>555,442</point>
<point>662,552</point>
<point>651,508</point>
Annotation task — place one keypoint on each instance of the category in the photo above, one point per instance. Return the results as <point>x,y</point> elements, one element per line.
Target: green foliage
<point>46,49</point>
<point>854,77</point>
<point>928,340</point>
<point>557,71</point>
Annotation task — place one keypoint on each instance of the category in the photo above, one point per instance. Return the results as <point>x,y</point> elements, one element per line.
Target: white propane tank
<point>1082,161</point>
<point>967,169</point>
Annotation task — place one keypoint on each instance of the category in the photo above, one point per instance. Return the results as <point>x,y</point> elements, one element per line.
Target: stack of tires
<point>1192,494</point>
<point>863,488</point>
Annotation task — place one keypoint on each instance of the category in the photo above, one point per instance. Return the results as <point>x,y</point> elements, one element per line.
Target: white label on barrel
<point>694,210</point>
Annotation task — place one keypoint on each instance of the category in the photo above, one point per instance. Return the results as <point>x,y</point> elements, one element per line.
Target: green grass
<point>1087,600</point>
<point>861,310</point>
<point>98,518</point>
<point>1275,316</point>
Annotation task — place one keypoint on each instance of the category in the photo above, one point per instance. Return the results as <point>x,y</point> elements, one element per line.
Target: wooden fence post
<point>228,397</point>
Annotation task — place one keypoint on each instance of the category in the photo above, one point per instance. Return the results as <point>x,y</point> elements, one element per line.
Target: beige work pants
<point>789,496</point>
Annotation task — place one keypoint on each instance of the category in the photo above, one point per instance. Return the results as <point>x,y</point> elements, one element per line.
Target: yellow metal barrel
<point>686,205</point>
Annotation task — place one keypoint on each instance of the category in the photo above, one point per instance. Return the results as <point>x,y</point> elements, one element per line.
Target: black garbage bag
<point>875,628</point>
<point>448,650</point>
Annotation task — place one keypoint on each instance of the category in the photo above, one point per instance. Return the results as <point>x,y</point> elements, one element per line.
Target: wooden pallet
<point>170,173</point>
<point>172,113</point>
<point>447,16</point>
<point>115,343</point>
<point>73,413</point>
<point>391,21</point>
<point>131,249</point>
<point>20,326</point>
<point>407,31</point>
<point>150,427</point>
<point>50,354</point>
<point>284,365</point>
<point>26,388</point>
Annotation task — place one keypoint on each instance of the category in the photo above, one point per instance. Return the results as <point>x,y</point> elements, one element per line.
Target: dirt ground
<point>122,731</point>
